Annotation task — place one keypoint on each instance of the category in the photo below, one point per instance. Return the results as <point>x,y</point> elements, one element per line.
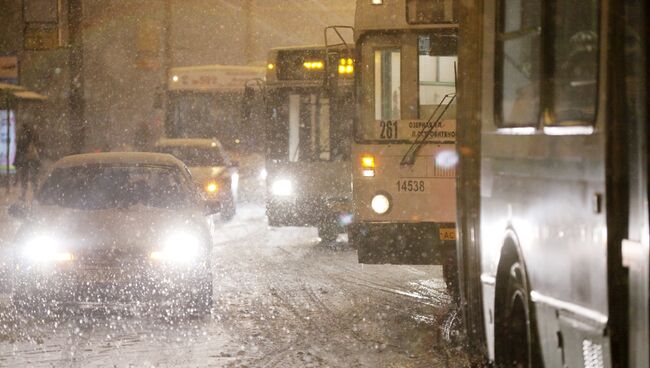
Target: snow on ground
<point>282,299</point>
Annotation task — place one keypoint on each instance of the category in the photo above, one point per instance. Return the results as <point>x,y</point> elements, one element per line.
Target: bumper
<point>306,211</point>
<point>403,243</point>
<point>220,200</point>
<point>109,287</point>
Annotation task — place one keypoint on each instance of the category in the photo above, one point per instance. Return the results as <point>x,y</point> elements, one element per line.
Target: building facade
<point>102,70</point>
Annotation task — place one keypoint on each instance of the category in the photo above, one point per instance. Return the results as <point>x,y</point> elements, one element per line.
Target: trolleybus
<point>403,154</point>
<point>206,102</point>
<point>310,106</point>
<point>553,185</point>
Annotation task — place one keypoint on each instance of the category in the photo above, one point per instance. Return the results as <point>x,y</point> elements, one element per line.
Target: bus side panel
<point>537,195</point>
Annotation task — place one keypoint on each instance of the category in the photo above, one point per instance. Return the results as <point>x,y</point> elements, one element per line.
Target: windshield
<point>395,108</point>
<point>195,156</point>
<point>306,125</point>
<point>207,114</point>
<point>97,187</point>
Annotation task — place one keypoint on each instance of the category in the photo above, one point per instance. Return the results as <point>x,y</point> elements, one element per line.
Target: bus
<point>403,154</point>
<point>310,106</point>
<point>208,102</point>
<point>553,182</point>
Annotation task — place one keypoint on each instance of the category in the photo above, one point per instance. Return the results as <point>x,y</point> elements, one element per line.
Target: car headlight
<point>380,204</point>
<point>180,247</point>
<point>43,249</point>
<point>282,188</point>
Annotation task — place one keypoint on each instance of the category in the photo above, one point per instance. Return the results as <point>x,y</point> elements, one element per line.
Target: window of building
<point>431,11</point>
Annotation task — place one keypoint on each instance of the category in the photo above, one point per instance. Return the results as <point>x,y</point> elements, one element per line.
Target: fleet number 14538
<point>410,185</point>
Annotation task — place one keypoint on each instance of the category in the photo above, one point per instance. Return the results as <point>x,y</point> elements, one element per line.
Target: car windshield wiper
<point>428,128</point>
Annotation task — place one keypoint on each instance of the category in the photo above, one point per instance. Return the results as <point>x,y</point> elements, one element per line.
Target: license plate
<point>447,234</point>
<point>99,276</point>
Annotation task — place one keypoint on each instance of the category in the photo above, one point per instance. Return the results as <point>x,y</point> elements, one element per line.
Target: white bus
<point>310,107</point>
<point>403,154</point>
<point>206,101</point>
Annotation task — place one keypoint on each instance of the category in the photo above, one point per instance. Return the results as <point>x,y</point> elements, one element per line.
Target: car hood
<point>136,226</point>
<point>201,174</point>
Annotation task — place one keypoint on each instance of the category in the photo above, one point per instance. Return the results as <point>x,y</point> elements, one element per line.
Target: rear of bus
<point>403,154</point>
<point>308,130</point>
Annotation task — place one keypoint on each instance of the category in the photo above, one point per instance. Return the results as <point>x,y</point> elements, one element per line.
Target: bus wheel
<point>517,333</point>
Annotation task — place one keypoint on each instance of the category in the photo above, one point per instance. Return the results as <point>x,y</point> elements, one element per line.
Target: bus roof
<point>402,14</point>
<point>217,78</point>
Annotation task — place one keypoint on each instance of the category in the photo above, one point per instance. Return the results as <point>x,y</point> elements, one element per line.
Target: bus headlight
<point>282,188</point>
<point>380,204</point>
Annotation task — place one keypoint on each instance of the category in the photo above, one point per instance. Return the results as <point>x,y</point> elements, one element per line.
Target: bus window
<point>387,84</point>
<point>517,61</point>
<point>436,75</point>
<point>573,63</point>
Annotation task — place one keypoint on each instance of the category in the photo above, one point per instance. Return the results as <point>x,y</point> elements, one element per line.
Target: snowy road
<point>282,300</point>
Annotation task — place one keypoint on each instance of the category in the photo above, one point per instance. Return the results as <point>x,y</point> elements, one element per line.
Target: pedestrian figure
<point>143,137</point>
<point>28,158</point>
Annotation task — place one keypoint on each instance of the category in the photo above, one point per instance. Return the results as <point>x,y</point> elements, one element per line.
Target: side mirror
<point>18,210</point>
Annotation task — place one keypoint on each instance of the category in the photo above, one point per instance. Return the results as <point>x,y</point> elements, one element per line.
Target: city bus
<point>553,182</point>
<point>403,153</point>
<point>310,107</point>
<point>208,102</point>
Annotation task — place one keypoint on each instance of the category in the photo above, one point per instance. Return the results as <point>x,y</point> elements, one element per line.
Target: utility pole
<point>168,56</point>
<point>168,62</point>
<point>76,101</point>
<point>249,39</point>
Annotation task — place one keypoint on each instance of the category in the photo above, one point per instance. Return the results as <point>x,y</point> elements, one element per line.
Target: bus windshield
<point>203,114</point>
<point>392,109</point>
<point>304,125</point>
